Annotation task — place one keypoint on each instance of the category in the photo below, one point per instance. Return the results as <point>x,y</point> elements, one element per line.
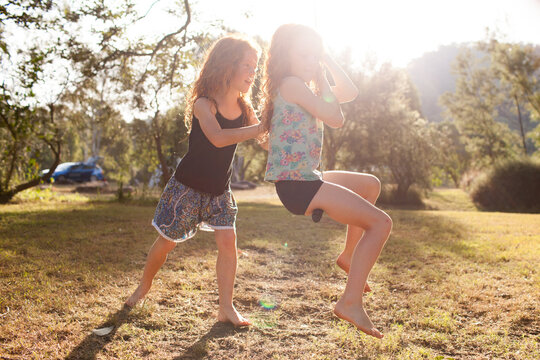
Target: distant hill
<point>432,76</point>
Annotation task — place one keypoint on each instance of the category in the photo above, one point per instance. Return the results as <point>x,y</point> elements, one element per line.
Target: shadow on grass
<point>117,236</point>
<point>417,236</point>
<point>90,347</point>
<point>424,236</point>
<point>199,349</point>
<point>68,234</point>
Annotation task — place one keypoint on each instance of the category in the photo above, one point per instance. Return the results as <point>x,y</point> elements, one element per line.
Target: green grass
<point>449,199</point>
<point>448,285</point>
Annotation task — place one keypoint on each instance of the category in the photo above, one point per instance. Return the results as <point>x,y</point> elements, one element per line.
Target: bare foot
<point>232,316</point>
<point>344,262</point>
<point>137,295</point>
<point>357,316</point>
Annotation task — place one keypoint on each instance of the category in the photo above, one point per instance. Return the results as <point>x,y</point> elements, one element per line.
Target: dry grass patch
<point>449,284</point>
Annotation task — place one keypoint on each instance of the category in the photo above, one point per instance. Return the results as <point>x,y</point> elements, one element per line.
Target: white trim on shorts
<point>215,227</point>
<point>204,226</point>
<point>168,238</point>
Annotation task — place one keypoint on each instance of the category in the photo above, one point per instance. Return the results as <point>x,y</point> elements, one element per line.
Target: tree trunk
<point>330,149</point>
<point>165,174</point>
<point>455,179</point>
<point>401,192</point>
<point>8,194</point>
<point>238,169</point>
<point>521,126</point>
<point>120,192</point>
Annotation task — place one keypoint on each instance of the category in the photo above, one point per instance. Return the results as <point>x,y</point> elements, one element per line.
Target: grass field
<point>452,283</point>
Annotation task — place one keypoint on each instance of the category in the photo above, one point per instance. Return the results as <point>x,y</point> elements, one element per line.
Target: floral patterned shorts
<point>181,210</point>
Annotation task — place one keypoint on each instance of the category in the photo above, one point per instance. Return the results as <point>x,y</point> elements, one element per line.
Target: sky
<point>391,30</point>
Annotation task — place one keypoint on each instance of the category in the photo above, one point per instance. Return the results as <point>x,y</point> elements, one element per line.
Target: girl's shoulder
<point>204,103</point>
<point>294,90</point>
<point>291,84</point>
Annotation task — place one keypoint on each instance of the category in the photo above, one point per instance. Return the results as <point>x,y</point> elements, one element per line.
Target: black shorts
<point>296,195</point>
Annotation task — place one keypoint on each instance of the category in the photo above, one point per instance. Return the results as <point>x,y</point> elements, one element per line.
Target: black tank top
<point>207,168</point>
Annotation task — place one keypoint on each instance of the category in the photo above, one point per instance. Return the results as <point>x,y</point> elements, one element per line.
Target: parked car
<point>77,171</point>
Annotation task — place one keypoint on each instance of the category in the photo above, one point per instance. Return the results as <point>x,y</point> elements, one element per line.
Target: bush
<point>389,196</point>
<point>510,186</point>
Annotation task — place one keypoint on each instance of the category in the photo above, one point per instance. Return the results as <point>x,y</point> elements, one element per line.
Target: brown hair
<point>278,66</point>
<point>217,70</point>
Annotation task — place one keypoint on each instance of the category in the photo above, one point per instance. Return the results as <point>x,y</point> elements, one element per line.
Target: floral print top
<point>294,145</point>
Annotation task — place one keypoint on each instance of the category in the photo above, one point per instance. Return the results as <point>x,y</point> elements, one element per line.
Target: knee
<point>165,245</point>
<point>384,222</point>
<point>226,242</point>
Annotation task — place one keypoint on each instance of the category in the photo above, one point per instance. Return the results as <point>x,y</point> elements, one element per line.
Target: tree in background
<point>173,140</point>
<point>74,71</point>
<point>150,73</point>
<point>384,132</point>
<point>473,106</point>
<point>117,151</point>
<point>25,125</point>
<point>24,130</point>
<point>452,157</point>
<point>517,67</point>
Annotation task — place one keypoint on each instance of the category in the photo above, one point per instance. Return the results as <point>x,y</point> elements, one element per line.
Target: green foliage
<point>249,162</point>
<point>511,186</point>
<point>116,148</point>
<point>517,66</point>
<point>384,132</point>
<point>452,156</point>
<point>102,69</point>
<point>24,13</point>
<point>495,101</point>
<point>24,133</point>
<point>473,106</point>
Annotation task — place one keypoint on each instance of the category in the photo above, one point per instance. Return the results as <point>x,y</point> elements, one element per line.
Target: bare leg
<point>345,206</point>
<point>155,259</point>
<point>226,273</point>
<point>368,187</point>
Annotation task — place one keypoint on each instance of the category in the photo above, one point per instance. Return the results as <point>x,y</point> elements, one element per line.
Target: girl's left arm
<point>344,90</point>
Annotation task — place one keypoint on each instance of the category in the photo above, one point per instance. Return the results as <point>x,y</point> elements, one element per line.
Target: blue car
<point>77,171</point>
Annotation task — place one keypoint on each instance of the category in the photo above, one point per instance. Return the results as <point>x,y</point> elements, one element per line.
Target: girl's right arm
<point>345,90</point>
<point>324,107</point>
<point>203,110</point>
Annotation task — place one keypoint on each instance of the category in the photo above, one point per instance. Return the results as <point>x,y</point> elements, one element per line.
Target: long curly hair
<point>277,65</point>
<point>217,71</point>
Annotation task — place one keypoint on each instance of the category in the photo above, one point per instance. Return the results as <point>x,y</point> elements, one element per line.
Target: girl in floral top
<point>298,101</point>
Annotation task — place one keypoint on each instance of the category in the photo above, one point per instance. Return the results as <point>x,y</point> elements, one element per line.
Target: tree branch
<point>163,40</point>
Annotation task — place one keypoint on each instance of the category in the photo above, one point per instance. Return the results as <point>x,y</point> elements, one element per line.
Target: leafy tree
<point>117,150</point>
<point>474,107</point>
<point>22,129</point>
<point>452,157</point>
<point>26,129</point>
<point>384,132</point>
<point>517,67</point>
<point>173,142</point>
<point>150,73</point>
<point>144,159</point>
<point>141,70</point>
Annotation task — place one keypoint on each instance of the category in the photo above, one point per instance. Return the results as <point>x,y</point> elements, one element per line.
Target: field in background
<point>450,283</point>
